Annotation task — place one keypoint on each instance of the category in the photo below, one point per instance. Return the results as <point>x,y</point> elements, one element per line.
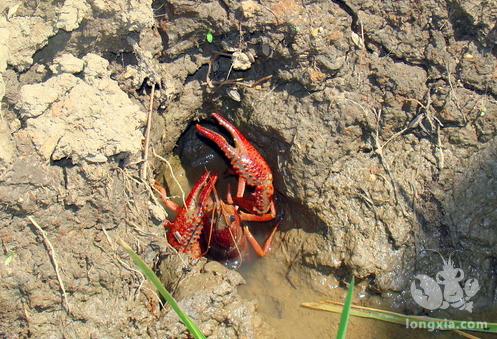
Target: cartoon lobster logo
<point>445,290</point>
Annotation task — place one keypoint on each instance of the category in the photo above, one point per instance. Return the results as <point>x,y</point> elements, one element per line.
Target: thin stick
<point>108,238</point>
<point>51,254</point>
<point>127,176</point>
<point>240,41</point>
<point>362,34</point>
<point>394,136</point>
<point>379,152</point>
<point>453,94</point>
<point>440,150</point>
<point>229,71</point>
<point>147,134</point>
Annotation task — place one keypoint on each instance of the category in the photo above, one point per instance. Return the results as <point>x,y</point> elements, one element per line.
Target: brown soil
<point>378,119</point>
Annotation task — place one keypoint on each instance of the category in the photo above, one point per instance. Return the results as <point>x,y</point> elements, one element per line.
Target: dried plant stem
<point>452,93</point>
<point>147,134</point>
<point>51,254</point>
<point>440,151</point>
<point>379,152</point>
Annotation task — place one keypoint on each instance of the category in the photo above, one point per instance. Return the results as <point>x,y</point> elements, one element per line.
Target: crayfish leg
<point>164,198</point>
<point>241,187</point>
<point>259,218</point>
<point>261,251</point>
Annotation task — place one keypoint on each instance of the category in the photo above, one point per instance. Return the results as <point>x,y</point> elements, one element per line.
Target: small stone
<point>135,76</point>
<point>131,72</point>
<point>315,75</point>
<point>357,40</point>
<point>157,212</point>
<point>67,63</point>
<point>251,55</point>
<point>316,31</point>
<point>227,47</point>
<point>241,61</point>
<point>41,69</point>
<point>95,66</point>
<point>233,94</point>
<point>266,50</point>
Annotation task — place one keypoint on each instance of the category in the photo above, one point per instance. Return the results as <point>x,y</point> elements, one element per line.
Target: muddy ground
<point>378,118</point>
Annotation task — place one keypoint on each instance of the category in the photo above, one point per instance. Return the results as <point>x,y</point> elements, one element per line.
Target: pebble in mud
<point>234,94</point>
<point>67,63</point>
<point>266,50</point>
<point>241,61</point>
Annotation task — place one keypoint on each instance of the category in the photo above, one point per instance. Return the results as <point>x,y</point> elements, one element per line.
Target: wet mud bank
<point>378,120</point>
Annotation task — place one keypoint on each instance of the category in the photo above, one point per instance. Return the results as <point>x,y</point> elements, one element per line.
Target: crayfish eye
<point>232,218</point>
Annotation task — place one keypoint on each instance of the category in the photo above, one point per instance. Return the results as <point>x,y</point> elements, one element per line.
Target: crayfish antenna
<point>214,216</point>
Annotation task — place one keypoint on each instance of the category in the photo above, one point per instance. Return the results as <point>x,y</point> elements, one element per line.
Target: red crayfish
<point>206,223</point>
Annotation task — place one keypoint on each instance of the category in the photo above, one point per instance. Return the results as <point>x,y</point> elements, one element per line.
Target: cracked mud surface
<point>379,121</point>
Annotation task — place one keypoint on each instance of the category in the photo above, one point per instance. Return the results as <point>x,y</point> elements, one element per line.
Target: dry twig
<point>427,114</point>
<point>452,93</point>
<point>51,254</point>
<point>379,151</point>
<point>147,134</point>
<point>440,150</point>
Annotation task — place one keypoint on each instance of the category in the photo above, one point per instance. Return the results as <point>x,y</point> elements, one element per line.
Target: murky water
<point>280,305</point>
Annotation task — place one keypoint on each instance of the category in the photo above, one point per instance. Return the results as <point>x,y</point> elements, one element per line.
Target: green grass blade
<point>401,319</point>
<point>154,280</point>
<point>344,319</point>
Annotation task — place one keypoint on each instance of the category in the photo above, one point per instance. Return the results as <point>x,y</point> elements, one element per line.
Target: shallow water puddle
<point>279,305</point>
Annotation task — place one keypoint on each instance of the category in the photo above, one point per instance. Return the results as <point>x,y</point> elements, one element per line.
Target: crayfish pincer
<point>207,224</point>
<point>184,233</point>
<point>252,169</point>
